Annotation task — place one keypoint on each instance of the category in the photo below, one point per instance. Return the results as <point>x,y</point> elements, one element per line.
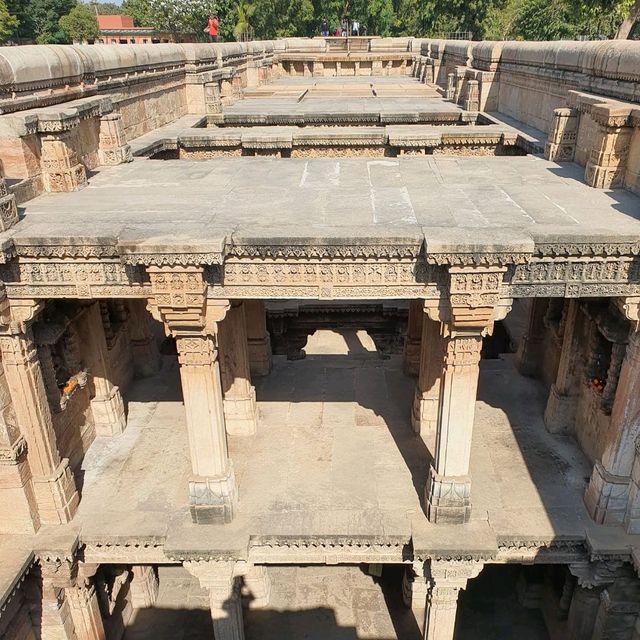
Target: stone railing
<point>583,95</point>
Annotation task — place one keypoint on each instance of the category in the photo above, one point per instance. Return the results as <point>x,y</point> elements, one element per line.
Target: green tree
<point>8,23</point>
<point>283,18</point>
<point>244,13</point>
<point>139,10</point>
<point>44,17</point>
<point>80,24</point>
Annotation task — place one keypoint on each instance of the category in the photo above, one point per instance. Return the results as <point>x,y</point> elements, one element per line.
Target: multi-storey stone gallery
<point>326,338</point>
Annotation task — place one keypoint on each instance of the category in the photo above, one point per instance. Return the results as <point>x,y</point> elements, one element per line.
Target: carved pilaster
<point>559,415</point>
<point>58,575</point>
<point>144,586</point>
<point>17,499</point>
<point>145,352</point>
<point>240,411</point>
<point>412,340</point>
<point>224,595</point>
<point>113,148</point>
<point>61,168</point>
<point>607,495</point>
<point>472,100</point>
<point>179,296</point>
<point>107,405</point>
<point>632,517</point>
<point>607,161</point>
<point>561,146</point>
<point>530,351</point>
<point>474,304</point>
<point>260,360</point>
<point>53,482</point>
<point>445,580</point>
<point>8,208</point>
<point>424,415</point>
<point>451,86</point>
<point>257,586</point>
<point>85,608</point>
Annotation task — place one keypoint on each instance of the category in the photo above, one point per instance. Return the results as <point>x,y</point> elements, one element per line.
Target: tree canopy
<point>39,20</point>
<point>80,24</point>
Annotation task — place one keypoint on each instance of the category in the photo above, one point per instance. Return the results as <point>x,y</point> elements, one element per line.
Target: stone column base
<point>71,179</point>
<point>260,360</point>
<point>112,157</point>
<point>448,498</point>
<point>559,415</point>
<point>108,414</point>
<point>240,415</point>
<point>213,500</point>
<point>607,497</point>
<point>56,496</point>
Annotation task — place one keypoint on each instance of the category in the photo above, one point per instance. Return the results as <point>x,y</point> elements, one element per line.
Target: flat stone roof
<point>306,201</point>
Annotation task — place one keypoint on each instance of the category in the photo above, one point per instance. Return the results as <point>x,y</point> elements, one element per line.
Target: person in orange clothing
<point>212,28</point>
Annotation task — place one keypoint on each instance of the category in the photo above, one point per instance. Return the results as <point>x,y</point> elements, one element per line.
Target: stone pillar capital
<point>58,570</point>
<point>219,577</point>
<point>630,307</point>
<point>593,575</point>
<point>17,316</point>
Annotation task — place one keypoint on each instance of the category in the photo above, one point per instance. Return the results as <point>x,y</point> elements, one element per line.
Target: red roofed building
<point>119,29</point>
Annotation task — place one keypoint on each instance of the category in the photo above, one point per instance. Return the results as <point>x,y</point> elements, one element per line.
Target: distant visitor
<point>212,28</point>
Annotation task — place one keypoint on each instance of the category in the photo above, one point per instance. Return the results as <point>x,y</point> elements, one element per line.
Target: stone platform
<point>335,457</point>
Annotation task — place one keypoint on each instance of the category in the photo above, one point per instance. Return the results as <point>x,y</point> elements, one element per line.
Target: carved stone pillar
<point>53,483</point>
<point>58,576</point>
<point>530,352</point>
<point>17,499</point>
<point>113,148</point>
<point>144,348</point>
<point>561,146</point>
<point>607,494</point>
<point>224,595</point>
<point>632,517</point>
<point>61,169</point>
<point>560,413</point>
<point>179,296</point>
<point>258,337</point>
<point>473,306</point>
<point>144,586</point>
<point>84,605</point>
<point>445,580</point>
<point>8,208</point>
<point>424,416</point>
<point>451,86</point>
<point>582,612</point>
<point>412,340</point>
<point>618,610</point>
<point>240,412</point>
<point>107,405</point>
<point>415,589</point>
<point>607,161</point>
<point>472,101</point>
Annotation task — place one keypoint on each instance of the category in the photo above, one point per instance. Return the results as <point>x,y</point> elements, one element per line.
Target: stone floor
<point>335,455</point>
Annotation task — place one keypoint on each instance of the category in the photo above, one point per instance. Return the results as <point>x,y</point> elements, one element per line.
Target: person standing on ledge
<point>212,28</point>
